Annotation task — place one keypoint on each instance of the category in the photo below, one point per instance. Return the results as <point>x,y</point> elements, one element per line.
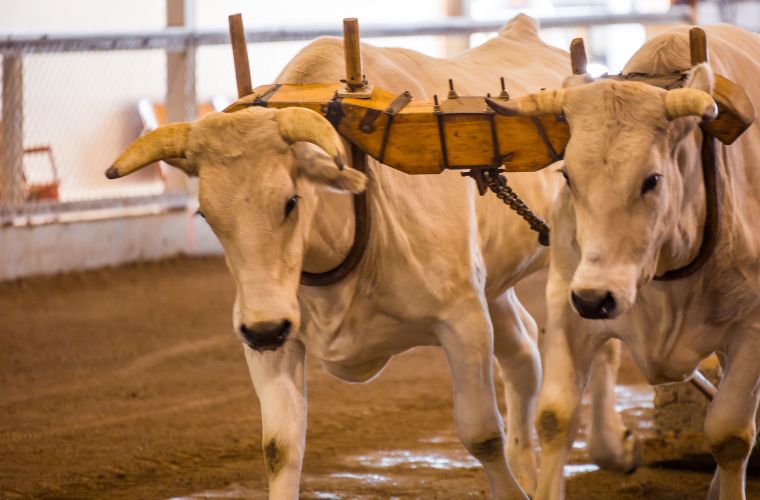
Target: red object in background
<point>47,190</point>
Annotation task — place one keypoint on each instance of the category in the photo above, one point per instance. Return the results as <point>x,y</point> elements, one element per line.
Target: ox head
<point>258,169</point>
<point>625,180</point>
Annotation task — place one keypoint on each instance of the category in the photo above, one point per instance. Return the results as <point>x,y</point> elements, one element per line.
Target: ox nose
<point>265,335</point>
<point>592,304</point>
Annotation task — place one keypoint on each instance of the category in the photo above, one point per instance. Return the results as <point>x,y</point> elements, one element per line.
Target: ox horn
<point>304,125</point>
<point>547,102</point>
<point>167,142</point>
<point>690,102</point>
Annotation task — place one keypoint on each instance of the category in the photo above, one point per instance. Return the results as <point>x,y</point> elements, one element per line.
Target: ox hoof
<point>623,457</point>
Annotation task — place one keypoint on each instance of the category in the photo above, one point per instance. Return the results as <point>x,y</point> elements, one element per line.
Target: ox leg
<point>611,445</point>
<point>566,355</point>
<point>730,423</point>
<point>515,333</point>
<point>278,377</point>
<point>466,335</point>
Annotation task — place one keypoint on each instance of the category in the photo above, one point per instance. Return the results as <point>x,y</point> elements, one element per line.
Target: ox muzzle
<point>592,304</point>
<point>265,335</point>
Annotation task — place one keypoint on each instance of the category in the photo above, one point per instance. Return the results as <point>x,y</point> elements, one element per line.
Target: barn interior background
<point>81,79</point>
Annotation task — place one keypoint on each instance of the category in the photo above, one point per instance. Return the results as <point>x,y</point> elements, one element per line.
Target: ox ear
<point>695,98</point>
<point>317,166</point>
<point>304,125</point>
<point>546,102</point>
<point>701,77</point>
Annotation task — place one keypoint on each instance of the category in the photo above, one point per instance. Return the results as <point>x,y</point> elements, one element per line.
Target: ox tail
<point>520,26</point>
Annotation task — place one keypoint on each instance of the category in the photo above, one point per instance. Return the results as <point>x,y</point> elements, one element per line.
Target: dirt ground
<point>128,383</point>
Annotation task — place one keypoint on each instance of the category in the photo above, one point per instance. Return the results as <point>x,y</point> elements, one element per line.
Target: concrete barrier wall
<point>61,247</point>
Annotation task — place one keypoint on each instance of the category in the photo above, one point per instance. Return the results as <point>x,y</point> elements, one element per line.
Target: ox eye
<point>565,176</point>
<point>290,205</point>
<point>650,183</point>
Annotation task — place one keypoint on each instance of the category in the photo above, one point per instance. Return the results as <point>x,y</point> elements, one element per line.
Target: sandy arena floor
<point>127,383</point>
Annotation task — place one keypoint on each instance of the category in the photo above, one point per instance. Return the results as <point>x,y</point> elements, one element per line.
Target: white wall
<point>81,15</point>
<point>53,248</point>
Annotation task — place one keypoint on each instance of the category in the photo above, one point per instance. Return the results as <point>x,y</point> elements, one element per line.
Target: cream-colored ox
<point>633,208</point>
<point>438,269</point>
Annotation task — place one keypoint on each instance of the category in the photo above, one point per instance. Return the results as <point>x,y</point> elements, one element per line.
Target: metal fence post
<point>12,133</point>
<point>180,79</point>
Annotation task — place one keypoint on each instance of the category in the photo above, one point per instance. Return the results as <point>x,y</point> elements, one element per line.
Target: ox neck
<point>710,226</point>
<point>331,234</point>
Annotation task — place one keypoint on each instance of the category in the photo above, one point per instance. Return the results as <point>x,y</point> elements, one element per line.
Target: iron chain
<point>498,184</point>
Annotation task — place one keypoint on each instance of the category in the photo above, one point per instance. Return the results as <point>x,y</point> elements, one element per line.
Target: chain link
<point>498,184</point>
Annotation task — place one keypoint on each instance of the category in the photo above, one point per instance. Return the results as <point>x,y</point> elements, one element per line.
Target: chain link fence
<point>67,110</point>
<point>71,104</point>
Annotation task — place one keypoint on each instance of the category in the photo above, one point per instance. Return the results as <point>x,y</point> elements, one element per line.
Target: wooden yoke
<point>735,111</point>
<point>240,55</point>
<point>461,132</point>
<point>356,85</point>
<point>578,61</point>
<point>697,46</point>
<point>415,137</point>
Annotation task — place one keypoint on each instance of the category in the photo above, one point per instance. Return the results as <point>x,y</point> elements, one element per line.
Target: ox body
<point>633,208</point>
<point>438,268</point>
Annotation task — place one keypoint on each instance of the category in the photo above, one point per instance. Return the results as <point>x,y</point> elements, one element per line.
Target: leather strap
<point>712,213</point>
<point>361,234</point>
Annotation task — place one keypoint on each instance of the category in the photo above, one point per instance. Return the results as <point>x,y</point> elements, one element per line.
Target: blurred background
<point>125,381</point>
<point>81,79</point>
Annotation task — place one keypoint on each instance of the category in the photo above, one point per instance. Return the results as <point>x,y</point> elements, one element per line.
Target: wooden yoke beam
<point>353,54</point>
<point>356,85</point>
<point>578,60</point>
<point>240,55</point>
<point>698,46</point>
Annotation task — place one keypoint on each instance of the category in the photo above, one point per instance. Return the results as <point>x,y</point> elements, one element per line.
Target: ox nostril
<point>607,306</point>
<point>594,305</point>
<point>284,330</point>
<point>266,334</point>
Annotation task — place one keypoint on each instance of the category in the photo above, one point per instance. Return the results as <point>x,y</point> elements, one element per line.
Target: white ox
<point>438,269</point>
<point>633,208</point>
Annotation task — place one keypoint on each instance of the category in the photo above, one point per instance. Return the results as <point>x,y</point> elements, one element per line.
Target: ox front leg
<point>730,423</point>
<point>278,377</point>
<point>466,335</point>
<point>566,354</point>
<point>611,445</point>
<point>515,333</point>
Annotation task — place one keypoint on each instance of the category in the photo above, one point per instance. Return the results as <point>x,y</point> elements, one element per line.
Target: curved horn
<point>548,102</point>
<point>165,142</point>
<point>305,125</point>
<point>690,102</point>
